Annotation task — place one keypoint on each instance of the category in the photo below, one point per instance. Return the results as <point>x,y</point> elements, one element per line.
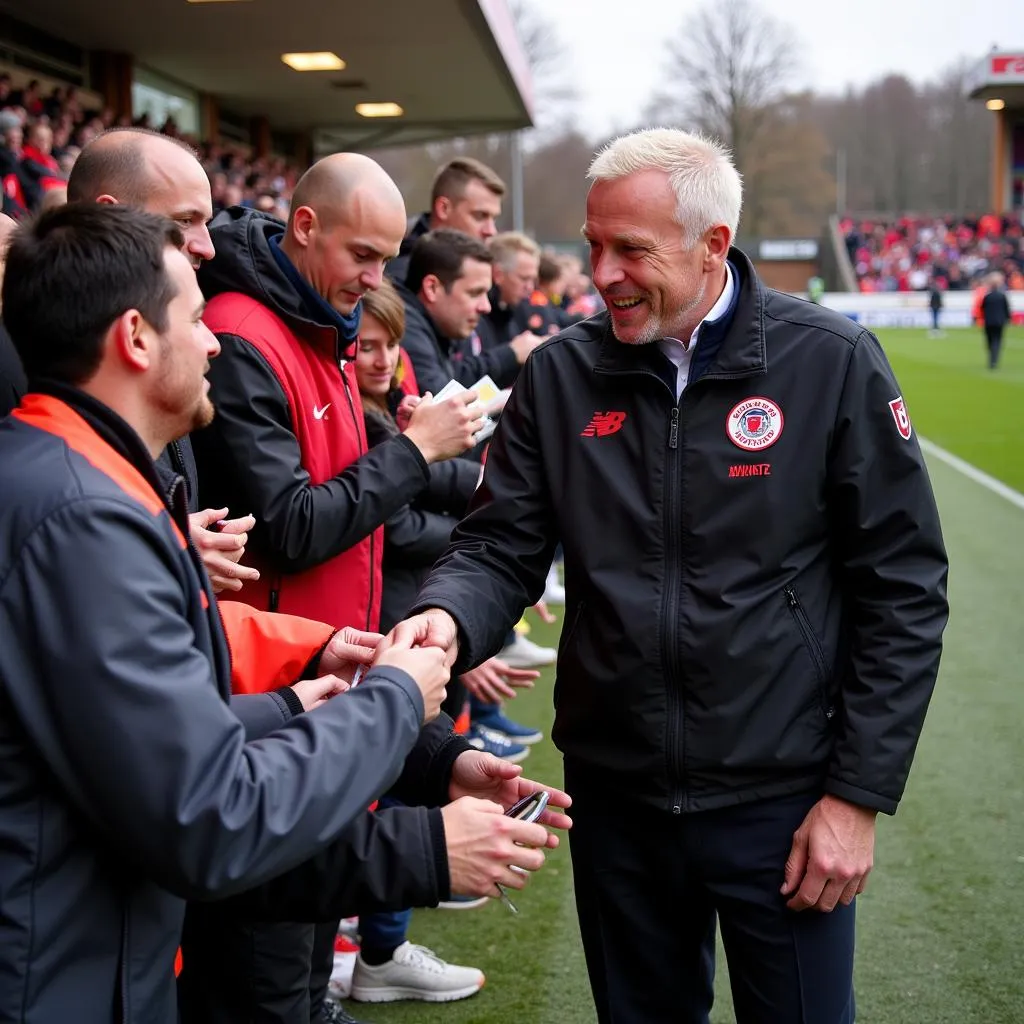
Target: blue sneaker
<point>493,718</point>
<point>495,743</point>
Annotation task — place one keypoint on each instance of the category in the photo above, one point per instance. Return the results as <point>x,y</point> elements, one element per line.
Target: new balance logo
<point>318,414</point>
<point>603,424</point>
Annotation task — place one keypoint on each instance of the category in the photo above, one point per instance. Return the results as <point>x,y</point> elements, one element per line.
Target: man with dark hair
<point>465,196</point>
<point>445,297</point>
<point>128,784</point>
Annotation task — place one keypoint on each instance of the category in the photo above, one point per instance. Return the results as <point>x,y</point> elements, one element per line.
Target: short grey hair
<point>708,188</point>
<point>507,246</point>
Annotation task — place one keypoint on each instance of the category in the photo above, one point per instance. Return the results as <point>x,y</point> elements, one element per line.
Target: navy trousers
<point>649,887</point>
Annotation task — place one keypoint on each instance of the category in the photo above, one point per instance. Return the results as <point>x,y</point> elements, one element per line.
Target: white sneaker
<point>554,592</point>
<point>524,653</point>
<point>414,972</point>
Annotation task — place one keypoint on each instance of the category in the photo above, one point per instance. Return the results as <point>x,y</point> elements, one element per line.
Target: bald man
<point>153,172</point>
<point>289,445</point>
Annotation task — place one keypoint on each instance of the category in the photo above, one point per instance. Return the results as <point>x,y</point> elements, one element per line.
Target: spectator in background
<point>40,172</point>
<point>516,262</point>
<point>445,297</point>
<point>935,305</point>
<point>995,315</point>
<point>544,314</point>
<point>466,196</point>
<point>11,136</point>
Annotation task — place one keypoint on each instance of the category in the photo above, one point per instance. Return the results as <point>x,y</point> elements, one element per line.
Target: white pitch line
<point>973,473</point>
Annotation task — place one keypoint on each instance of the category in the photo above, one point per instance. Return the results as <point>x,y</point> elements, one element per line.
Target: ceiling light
<point>995,104</point>
<point>379,110</point>
<point>321,61</point>
<point>216,1</point>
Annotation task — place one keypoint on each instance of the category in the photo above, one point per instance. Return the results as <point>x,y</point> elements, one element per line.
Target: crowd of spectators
<point>41,136</point>
<point>917,253</point>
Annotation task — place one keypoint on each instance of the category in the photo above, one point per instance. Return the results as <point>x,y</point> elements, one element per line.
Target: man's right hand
<point>523,344</point>
<point>484,847</point>
<point>432,628</point>
<point>427,667</point>
<point>443,430</point>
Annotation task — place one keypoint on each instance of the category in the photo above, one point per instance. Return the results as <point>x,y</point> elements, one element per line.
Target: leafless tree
<point>726,69</point>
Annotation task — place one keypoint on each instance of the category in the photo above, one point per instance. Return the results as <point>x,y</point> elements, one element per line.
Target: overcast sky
<point>614,47</point>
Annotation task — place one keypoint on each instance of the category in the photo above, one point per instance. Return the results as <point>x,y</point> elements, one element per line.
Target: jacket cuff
<point>439,847</point>
<point>441,768</point>
<point>417,454</point>
<point>312,669</point>
<point>291,699</point>
<point>862,797</point>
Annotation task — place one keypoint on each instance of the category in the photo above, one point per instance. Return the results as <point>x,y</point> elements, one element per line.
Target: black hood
<point>415,230</point>
<point>244,262</point>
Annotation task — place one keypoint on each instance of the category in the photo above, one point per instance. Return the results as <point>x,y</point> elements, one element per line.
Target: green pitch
<point>941,939</point>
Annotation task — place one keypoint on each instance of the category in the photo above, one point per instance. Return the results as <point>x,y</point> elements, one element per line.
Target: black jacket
<point>745,618</point>
<point>435,359</point>
<point>127,785</point>
<point>417,535</point>
<point>398,268</point>
<point>502,323</point>
<point>995,308</point>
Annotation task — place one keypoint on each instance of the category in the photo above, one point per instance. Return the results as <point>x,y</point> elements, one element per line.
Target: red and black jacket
<point>288,444</point>
<point>39,173</point>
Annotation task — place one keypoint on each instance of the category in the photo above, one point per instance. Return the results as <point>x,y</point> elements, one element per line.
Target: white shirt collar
<point>717,311</point>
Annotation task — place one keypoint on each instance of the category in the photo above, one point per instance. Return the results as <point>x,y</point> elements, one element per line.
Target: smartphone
<point>530,808</point>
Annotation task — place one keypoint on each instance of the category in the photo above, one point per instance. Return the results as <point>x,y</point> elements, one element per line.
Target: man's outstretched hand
<point>432,628</point>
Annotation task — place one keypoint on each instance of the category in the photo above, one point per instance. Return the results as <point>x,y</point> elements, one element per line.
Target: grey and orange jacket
<point>127,784</point>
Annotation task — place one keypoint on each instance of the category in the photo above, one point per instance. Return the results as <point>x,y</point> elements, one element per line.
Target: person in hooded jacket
<point>289,444</point>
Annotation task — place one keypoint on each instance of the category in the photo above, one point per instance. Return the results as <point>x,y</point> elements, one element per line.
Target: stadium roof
<point>999,75</point>
<point>455,66</point>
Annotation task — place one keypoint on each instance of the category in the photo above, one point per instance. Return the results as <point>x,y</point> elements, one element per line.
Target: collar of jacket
<point>117,433</point>
<point>501,312</point>
<point>413,304</point>
<point>245,262</point>
<point>415,229</point>
<point>735,349</point>
<point>316,307</point>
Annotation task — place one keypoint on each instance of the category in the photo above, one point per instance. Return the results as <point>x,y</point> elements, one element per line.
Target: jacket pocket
<point>570,634</point>
<point>821,673</point>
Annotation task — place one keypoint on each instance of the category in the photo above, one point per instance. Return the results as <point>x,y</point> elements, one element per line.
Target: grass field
<point>941,938</point>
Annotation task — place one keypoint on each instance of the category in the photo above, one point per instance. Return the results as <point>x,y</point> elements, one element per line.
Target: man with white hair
<point>755,582</point>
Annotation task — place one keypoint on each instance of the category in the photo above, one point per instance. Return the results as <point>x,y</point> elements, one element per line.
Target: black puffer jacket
<point>755,573</point>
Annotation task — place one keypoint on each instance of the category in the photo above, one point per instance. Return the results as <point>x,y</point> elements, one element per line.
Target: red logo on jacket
<point>898,408</point>
<point>604,423</point>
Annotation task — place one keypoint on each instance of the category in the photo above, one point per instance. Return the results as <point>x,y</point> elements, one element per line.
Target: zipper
<point>813,648</point>
<point>362,451</point>
<point>671,661</point>
<point>123,1015</point>
<point>670,616</point>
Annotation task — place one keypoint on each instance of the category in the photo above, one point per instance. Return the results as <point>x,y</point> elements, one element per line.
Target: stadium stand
<point>910,252</point>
